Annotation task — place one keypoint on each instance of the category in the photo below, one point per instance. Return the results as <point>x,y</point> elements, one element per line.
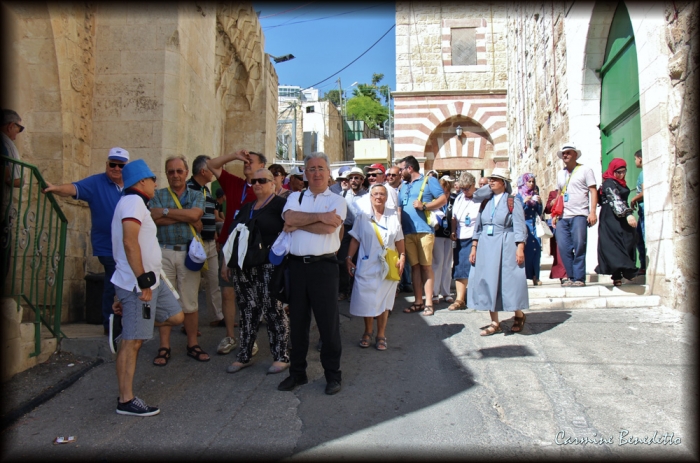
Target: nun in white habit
<point>372,294</point>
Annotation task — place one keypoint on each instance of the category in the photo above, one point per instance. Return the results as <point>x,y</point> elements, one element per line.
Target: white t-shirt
<point>310,244</point>
<point>577,190</point>
<point>465,207</point>
<point>132,207</point>
<point>364,205</point>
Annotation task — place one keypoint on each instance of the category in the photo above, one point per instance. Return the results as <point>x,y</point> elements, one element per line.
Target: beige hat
<point>568,146</point>
<point>502,173</point>
<point>353,171</point>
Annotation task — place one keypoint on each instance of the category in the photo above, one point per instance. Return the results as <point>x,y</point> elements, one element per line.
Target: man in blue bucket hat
<point>177,211</point>
<point>143,300</point>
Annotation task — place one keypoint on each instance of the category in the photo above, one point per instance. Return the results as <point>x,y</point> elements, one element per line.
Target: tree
<point>333,96</point>
<point>367,109</point>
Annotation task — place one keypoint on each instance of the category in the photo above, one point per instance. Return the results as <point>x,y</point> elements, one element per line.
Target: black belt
<point>176,247</point>
<point>312,259</point>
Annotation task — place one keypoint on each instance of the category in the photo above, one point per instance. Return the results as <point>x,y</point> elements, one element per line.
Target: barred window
<point>463,41</point>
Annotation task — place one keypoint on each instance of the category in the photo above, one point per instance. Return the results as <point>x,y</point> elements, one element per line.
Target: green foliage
<point>367,109</point>
<point>366,90</point>
<point>333,96</point>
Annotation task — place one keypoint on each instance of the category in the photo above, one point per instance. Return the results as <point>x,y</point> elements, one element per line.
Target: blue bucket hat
<point>136,171</point>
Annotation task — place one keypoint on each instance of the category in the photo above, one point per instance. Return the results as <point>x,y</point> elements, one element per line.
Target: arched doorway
<point>460,143</point>
<point>620,126</point>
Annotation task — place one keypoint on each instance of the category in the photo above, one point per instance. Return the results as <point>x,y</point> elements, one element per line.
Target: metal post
<point>294,130</point>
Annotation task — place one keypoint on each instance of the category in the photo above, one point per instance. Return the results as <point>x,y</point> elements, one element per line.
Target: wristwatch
<point>424,207</point>
<point>165,211</point>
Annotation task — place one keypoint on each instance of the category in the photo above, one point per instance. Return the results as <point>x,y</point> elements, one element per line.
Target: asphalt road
<point>439,390</point>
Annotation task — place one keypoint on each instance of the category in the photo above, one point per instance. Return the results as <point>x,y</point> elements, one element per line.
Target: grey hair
<point>316,155</point>
<point>465,179</point>
<point>375,185</point>
<point>199,163</point>
<point>9,116</point>
<point>181,158</point>
<point>267,172</point>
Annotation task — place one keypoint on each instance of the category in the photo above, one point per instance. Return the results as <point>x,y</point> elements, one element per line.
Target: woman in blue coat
<point>497,280</point>
<point>532,207</point>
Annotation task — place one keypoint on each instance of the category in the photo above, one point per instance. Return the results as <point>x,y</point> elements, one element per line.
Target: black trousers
<point>314,287</point>
<point>344,278</point>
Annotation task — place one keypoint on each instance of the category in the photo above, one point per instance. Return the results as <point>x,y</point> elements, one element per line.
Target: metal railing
<point>32,247</point>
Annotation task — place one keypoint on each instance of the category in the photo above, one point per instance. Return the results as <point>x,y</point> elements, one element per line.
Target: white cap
<point>118,154</point>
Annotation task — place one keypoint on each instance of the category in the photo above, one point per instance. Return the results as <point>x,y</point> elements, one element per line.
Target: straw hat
<point>502,173</point>
<point>569,146</point>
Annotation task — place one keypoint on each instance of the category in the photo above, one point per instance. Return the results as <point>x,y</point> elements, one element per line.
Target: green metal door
<point>620,127</point>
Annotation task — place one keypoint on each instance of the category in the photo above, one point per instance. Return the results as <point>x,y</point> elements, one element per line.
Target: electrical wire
<point>318,19</point>
<point>285,11</point>
<point>353,61</point>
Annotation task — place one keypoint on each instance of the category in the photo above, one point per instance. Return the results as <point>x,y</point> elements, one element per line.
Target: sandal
<point>518,323</point>
<point>492,329</point>
<point>428,311</point>
<point>163,353</point>
<point>458,305</point>
<point>617,282</point>
<point>366,339</point>
<point>196,353</point>
<point>380,344</point>
<point>414,308</point>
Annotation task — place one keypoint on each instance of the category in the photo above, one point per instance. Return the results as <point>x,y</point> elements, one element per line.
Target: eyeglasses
<point>261,181</point>
<point>154,179</point>
<point>379,195</point>
<point>313,170</point>
<point>621,171</point>
<point>355,177</point>
<point>176,171</point>
<point>278,174</point>
<point>21,127</point>
<point>114,164</point>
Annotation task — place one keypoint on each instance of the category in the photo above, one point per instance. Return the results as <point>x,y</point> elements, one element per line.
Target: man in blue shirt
<point>418,195</point>
<point>102,193</point>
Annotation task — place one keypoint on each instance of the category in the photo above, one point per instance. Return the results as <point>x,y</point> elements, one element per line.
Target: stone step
<point>590,290</point>
<point>610,302</point>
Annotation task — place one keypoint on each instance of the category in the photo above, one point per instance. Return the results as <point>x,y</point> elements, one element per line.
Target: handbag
<point>193,251</point>
<point>542,229</point>
<point>391,257</point>
<point>257,253</point>
<point>279,283</point>
<point>558,207</point>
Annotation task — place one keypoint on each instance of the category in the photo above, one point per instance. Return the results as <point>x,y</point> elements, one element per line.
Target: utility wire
<point>285,11</point>
<point>318,19</point>
<point>351,62</point>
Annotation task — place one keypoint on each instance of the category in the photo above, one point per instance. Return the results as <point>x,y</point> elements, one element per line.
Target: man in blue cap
<point>144,302</point>
<point>101,192</point>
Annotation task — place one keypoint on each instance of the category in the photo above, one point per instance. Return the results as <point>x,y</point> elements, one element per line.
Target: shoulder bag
<point>391,257</point>
<point>195,247</point>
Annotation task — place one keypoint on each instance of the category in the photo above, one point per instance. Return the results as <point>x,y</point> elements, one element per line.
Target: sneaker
<point>136,407</point>
<point>255,349</point>
<point>226,345</point>
<point>115,331</point>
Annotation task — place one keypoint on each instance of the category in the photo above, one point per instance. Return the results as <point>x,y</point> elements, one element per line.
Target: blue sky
<point>324,46</point>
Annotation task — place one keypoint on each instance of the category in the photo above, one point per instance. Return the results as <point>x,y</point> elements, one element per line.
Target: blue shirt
<point>102,195</point>
<point>181,232</point>
<point>413,221</point>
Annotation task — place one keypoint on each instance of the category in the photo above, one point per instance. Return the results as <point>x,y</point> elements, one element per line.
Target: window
<point>463,44</point>
<point>309,109</point>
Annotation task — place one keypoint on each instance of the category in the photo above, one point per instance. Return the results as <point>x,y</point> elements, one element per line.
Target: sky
<point>324,45</point>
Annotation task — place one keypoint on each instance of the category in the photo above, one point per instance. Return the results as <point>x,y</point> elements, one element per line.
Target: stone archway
<point>473,150</point>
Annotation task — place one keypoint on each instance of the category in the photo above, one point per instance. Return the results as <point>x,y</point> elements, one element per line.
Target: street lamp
<point>282,59</point>
<point>459,131</point>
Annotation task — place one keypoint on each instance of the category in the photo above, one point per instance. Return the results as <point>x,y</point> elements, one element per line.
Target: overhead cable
<point>318,19</point>
<point>285,11</point>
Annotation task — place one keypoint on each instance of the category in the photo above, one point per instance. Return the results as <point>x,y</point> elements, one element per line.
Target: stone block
<point>129,85</point>
<point>108,62</point>
<point>47,146</point>
<point>142,62</point>
<point>141,108</point>
<point>107,134</point>
<point>47,100</point>
<point>107,108</point>
<point>111,14</point>
<point>621,302</point>
<point>585,303</point>
<point>128,38</point>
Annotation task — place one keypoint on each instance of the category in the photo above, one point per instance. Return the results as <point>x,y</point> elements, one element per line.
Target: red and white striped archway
<point>423,123</point>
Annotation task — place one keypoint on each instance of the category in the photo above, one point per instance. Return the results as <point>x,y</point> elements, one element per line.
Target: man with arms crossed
<point>419,236</point>
<point>571,227</point>
<point>238,192</point>
<point>144,301</point>
<point>315,224</point>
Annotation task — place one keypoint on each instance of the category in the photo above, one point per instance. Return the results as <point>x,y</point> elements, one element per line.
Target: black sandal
<point>163,353</point>
<point>414,308</point>
<point>196,353</point>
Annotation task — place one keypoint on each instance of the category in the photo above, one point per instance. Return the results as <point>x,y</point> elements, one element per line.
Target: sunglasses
<point>176,171</point>
<point>21,127</point>
<point>355,177</point>
<point>392,175</point>
<point>261,181</point>
<point>278,174</point>
<point>374,174</point>
<point>114,164</point>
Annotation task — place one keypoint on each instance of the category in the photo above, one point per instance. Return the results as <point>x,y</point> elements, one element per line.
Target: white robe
<point>372,295</point>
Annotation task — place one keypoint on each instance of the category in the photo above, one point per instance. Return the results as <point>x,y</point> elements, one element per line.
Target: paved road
<point>438,389</point>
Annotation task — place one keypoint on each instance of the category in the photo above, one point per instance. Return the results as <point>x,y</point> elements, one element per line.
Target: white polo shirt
<point>132,207</point>
<point>465,207</point>
<point>310,244</point>
<point>364,205</point>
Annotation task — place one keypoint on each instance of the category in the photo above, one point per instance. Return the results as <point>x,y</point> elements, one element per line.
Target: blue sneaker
<point>136,407</point>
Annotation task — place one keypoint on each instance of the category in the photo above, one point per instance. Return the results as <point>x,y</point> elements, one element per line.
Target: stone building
<point>156,79</point>
<point>614,78</point>
<point>451,72</point>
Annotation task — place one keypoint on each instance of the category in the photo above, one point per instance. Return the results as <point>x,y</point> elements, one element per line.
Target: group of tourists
<point>293,245</point>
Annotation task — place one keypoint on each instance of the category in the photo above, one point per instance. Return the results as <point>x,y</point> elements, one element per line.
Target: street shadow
<point>503,352</point>
<point>537,322</point>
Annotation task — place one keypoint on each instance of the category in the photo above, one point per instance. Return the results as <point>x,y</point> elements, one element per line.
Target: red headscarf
<point>615,164</point>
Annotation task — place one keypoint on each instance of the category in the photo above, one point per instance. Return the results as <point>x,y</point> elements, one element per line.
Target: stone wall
<point>155,79</point>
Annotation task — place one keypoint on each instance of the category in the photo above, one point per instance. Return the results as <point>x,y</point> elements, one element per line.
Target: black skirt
<point>616,240</point>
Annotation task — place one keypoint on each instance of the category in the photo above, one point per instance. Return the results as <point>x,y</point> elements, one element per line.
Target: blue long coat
<point>497,283</point>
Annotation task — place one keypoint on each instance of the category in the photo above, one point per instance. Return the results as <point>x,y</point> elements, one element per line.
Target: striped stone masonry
<point>425,127</point>
<point>481,55</point>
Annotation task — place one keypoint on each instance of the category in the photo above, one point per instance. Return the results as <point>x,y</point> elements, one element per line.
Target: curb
<point>45,396</point>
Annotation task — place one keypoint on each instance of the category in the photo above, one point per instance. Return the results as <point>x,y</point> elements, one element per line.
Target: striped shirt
<point>208,218</point>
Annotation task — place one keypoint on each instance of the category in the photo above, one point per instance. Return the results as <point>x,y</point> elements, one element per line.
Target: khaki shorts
<point>185,280</point>
<point>419,248</point>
